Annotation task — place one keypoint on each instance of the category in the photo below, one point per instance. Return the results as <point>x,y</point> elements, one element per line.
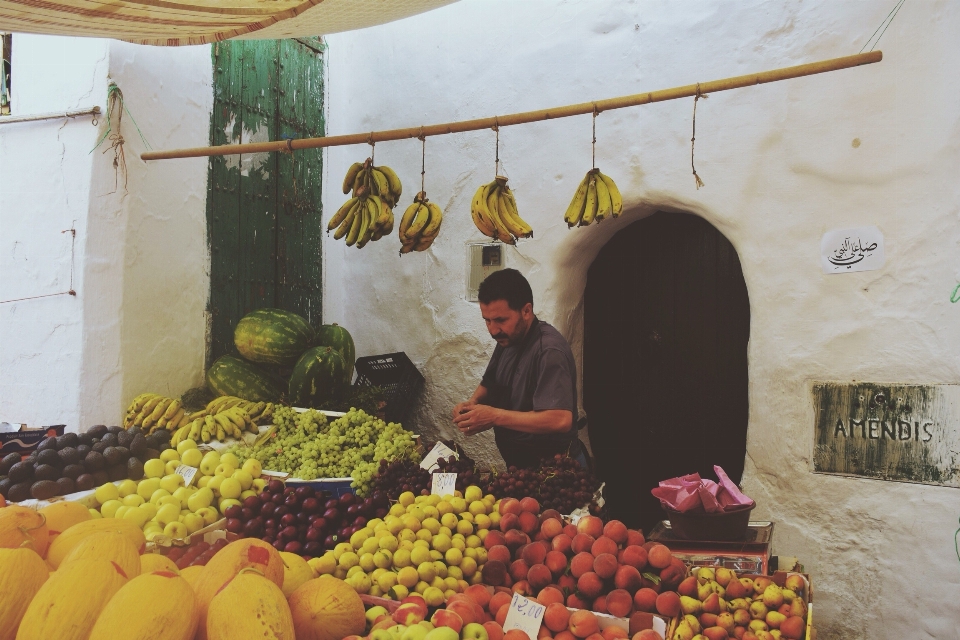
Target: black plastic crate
<point>399,379</point>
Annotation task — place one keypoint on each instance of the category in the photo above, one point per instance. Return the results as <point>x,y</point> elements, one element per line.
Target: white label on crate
<point>439,450</point>
<point>525,615</point>
<point>444,484</point>
<point>187,473</point>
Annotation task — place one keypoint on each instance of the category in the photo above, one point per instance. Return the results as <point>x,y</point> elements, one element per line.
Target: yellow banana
<point>140,401</point>
<point>151,420</point>
<point>481,217</point>
<point>216,402</point>
<point>195,426</point>
<point>396,188</point>
<point>590,207</point>
<point>423,244</point>
<point>174,422</point>
<point>604,203</point>
<point>436,218</point>
<point>147,409</point>
<point>208,429</point>
<point>380,185</point>
<point>493,207</point>
<point>409,245</point>
<point>255,409</point>
<point>356,224</point>
<point>384,216</point>
<point>172,410</point>
<point>508,214</point>
<point>419,222</point>
<point>341,214</point>
<point>370,221</point>
<point>348,221</point>
<point>360,181</point>
<point>615,198</point>
<point>229,404</point>
<point>575,210</point>
<point>407,219</point>
<point>351,176</point>
<point>267,413</point>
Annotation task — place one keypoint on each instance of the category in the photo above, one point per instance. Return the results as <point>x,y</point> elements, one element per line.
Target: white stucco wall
<point>141,269</point>
<point>780,169</point>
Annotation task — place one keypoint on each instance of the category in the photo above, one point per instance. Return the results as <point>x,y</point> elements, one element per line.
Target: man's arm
<point>481,417</point>
<point>478,396</point>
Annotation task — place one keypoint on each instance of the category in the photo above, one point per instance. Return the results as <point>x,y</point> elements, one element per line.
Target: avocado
<point>44,489</point>
<point>83,450</point>
<point>117,472</point>
<point>5,485</point>
<point>124,439</point>
<point>50,457</point>
<point>115,429</point>
<point>94,461</point>
<point>97,431</point>
<point>47,443</point>
<point>65,486</point>
<point>100,477</point>
<point>124,452</point>
<point>19,492</point>
<point>69,455</point>
<point>45,472</point>
<point>73,471</point>
<point>134,469</point>
<point>7,462</point>
<point>68,440</point>
<point>110,439</point>
<point>113,455</point>
<point>85,481</point>
<point>149,454</point>
<point>21,472</point>
<point>100,447</point>
<point>85,439</point>
<point>138,445</point>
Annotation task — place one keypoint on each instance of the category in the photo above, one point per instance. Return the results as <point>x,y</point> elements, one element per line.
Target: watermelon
<point>273,336</point>
<point>333,335</point>
<point>231,376</point>
<point>317,378</point>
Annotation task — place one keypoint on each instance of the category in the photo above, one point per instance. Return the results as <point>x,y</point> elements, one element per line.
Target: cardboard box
<point>18,438</point>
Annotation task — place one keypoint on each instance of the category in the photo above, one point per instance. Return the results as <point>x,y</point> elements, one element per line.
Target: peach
<point>494,572</point>
<point>595,636</point>
<point>523,588</point>
<point>600,605</point>
<point>576,601</point>
<point>567,583</point>
<point>447,618</point>
<point>635,556</point>
<point>590,584</point>
<point>619,603</point>
<point>671,577</point>
<point>561,543</point>
<point>501,616</point>
<point>785,610</point>
<point>647,583</point>
<point>410,613</point>
<point>497,600</point>
<point>715,633</point>
<point>549,595</point>
<point>635,538</point>
<point>645,599</point>
<point>614,632</point>
<point>564,635</point>
<point>556,562</point>
<point>467,611</point>
<point>658,556</point>
<point>494,631</point>
<point>582,542</point>
<point>547,514</point>
<point>581,563</point>
<point>539,576</point>
<point>510,505</point>
<point>528,522</point>
<point>668,604</point>
<point>515,539</point>
<point>515,634</point>
<point>627,578</point>
<point>550,528</point>
<point>603,544</point>
<point>648,634</point>
<point>480,594</point>
<point>543,633</point>
<point>570,530</point>
<point>509,522</point>
<point>793,628</point>
<point>583,624</point>
<point>500,553</point>
<point>605,565</point>
<point>534,553</point>
<point>493,539</point>
<point>383,623</point>
<point>616,530</point>
<point>591,525</point>
<point>530,505</point>
<point>640,620</point>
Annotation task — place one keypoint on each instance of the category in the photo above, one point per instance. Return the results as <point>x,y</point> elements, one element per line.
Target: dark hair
<point>506,284</point>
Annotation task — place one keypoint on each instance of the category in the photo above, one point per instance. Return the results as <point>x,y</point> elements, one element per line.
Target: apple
<point>415,632</point>
<point>442,633</point>
<point>474,631</point>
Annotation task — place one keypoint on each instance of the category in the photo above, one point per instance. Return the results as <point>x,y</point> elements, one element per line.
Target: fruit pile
<point>223,417</point>
<point>559,483</point>
<point>399,476</point>
<point>494,212</point>
<point>77,462</point>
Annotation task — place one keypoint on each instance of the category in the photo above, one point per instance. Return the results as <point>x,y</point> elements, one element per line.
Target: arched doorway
<point>666,325</point>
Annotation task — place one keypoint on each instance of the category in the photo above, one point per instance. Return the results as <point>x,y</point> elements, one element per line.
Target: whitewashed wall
<point>141,269</point>
<point>780,166</point>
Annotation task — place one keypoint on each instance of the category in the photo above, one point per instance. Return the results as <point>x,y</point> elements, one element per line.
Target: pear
<point>706,574</point>
<point>690,606</point>
<point>738,603</point>
<point>683,632</point>
<point>772,597</point>
<point>798,608</point>
<point>695,625</point>
<point>688,587</point>
<point>758,625</point>
<point>726,621</point>
<point>712,604</point>
<point>788,595</point>
<point>724,576</point>
<point>737,589</point>
<point>758,610</point>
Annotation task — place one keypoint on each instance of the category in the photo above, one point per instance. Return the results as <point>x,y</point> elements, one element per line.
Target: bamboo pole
<point>637,99</point>
<point>92,111</point>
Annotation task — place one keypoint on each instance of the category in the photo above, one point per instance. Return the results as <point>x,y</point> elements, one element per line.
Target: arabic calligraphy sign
<point>904,433</point>
<point>849,250</point>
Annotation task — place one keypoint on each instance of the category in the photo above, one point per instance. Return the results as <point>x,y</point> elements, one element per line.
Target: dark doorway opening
<point>666,325</point>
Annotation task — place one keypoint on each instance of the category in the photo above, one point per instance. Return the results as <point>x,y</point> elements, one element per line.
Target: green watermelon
<point>317,377</point>
<point>231,376</point>
<point>333,335</point>
<point>273,336</point>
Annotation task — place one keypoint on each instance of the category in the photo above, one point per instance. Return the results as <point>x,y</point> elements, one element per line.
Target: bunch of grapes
<point>394,478</point>
<point>558,483</point>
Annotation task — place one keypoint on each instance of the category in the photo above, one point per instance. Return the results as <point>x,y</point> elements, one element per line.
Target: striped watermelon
<point>273,336</point>
<point>231,376</point>
<point>317,377</point>
<point>333,335</point>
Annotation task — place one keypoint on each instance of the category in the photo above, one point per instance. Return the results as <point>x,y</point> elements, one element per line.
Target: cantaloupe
<point>296,571</point>
<point>66,541</point>
<point>326,608</point>
<point>63,515</point>
<point>22,573</point>
<point>153,606</point>
<point>227,563</point>
<point>249,606</point>
<point>192,575</point>
<point>107,545</point>
<point>150,562</point>
<point>23,527</point>
<point>67,606</point>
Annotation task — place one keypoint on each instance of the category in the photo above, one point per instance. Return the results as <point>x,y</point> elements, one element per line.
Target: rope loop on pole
<point>693,138</point>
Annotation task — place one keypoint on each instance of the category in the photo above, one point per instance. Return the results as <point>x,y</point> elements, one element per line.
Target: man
<point>528,394</point>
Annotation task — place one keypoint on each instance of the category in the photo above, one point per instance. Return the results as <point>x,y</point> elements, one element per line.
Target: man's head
<point>506,304</point>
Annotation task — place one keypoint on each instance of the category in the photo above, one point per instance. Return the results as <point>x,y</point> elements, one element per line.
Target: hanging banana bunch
<point>420,224</point>
<point>368,215</point>
<point>494,211</point>
<point>596,198</point>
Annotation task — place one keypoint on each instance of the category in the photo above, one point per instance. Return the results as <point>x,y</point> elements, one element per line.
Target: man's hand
<point>462,408</point>
<point>476,419</point>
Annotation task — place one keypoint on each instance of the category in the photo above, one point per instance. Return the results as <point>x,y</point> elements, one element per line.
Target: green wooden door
<point>263,209</point>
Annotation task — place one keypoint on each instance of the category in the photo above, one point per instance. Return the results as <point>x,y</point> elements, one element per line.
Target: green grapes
<point>307,446</point>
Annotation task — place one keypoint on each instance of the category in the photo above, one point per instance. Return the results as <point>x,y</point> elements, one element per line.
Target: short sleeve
<point>490,374</point>
<point>555,383</point>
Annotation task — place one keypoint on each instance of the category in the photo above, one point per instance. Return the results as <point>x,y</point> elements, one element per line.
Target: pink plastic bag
<point>691,492</point>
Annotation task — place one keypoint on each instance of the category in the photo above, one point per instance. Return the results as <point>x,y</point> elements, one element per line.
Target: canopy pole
<point>583,108</point>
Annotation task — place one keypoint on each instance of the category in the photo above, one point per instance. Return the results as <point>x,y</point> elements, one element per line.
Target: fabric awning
<point>174,23</point>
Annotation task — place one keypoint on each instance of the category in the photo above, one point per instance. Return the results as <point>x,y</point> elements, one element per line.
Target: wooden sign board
<point>904,433</point>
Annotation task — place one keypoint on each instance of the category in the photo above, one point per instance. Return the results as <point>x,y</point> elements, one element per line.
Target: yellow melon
<point>107,545</point>
<point>150,562</point>
<point>326,608</point>
<point>192,575</point>
<point>227,563</point>
<point>22,573</point>
<point>66,541</point>
<point>153,606</point>
<point>250,606</point>
<point>296,571</point>
<point>63,515</point>
<point>68,604</point>
<point>23,527</point>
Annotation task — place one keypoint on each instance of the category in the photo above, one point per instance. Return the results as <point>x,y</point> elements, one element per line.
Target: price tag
<point>187,473</point>
<point>525,615</point>
<point>439,450</point>
<point>444,484</point>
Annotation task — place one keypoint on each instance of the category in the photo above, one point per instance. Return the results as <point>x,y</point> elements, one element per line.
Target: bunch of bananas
<point>420,224</point>
<point>368,215</point>
<point>151,411</point>
<point>494,211</point>
<point>596,198</point>
<point>226,416</point>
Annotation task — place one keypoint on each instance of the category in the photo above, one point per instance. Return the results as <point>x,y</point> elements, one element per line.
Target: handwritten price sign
<point>525,615</point>
<point>439,450</point>
<point>187,473</point>
<point>444,484</point>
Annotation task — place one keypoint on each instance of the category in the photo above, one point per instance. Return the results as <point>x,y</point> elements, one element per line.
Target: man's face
<point>506,326</point>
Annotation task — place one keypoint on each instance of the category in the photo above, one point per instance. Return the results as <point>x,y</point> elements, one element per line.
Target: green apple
<point>133,500</point>
<point>138,515</point>
<point>171,482</point>
<point>474,631</point>
<point>109,508</point>
<point>126,487</point>
<point>230,488</point>
<point>442,633</point>
<point>380,634</point>
<point>226,503</point>
<point>253,467</point>
<point>153,468</point>
<point>247,494</point>
<point>230,459</point>
<point>146,488</point>
<point>168,455</point>
<point>150,509</point>
<point>209,515</point>
<point>193,522</point>
<point>171,467</point>
<point>415,632</point>
<point>244,478</point>
<point>121,510</point>
<point>191,457</point>
<point>373,613</point>
<point>158,494</point>
<point>225,470</point>
<point>106,493</point>
<point>209,463</point>
<point>202,498</point>
<point>259,484</point>
<point>185,445</point>
<point>168,513</point>
<point>175,530</point>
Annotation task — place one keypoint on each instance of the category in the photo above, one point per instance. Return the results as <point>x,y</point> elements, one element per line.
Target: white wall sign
<point>849,250</point>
